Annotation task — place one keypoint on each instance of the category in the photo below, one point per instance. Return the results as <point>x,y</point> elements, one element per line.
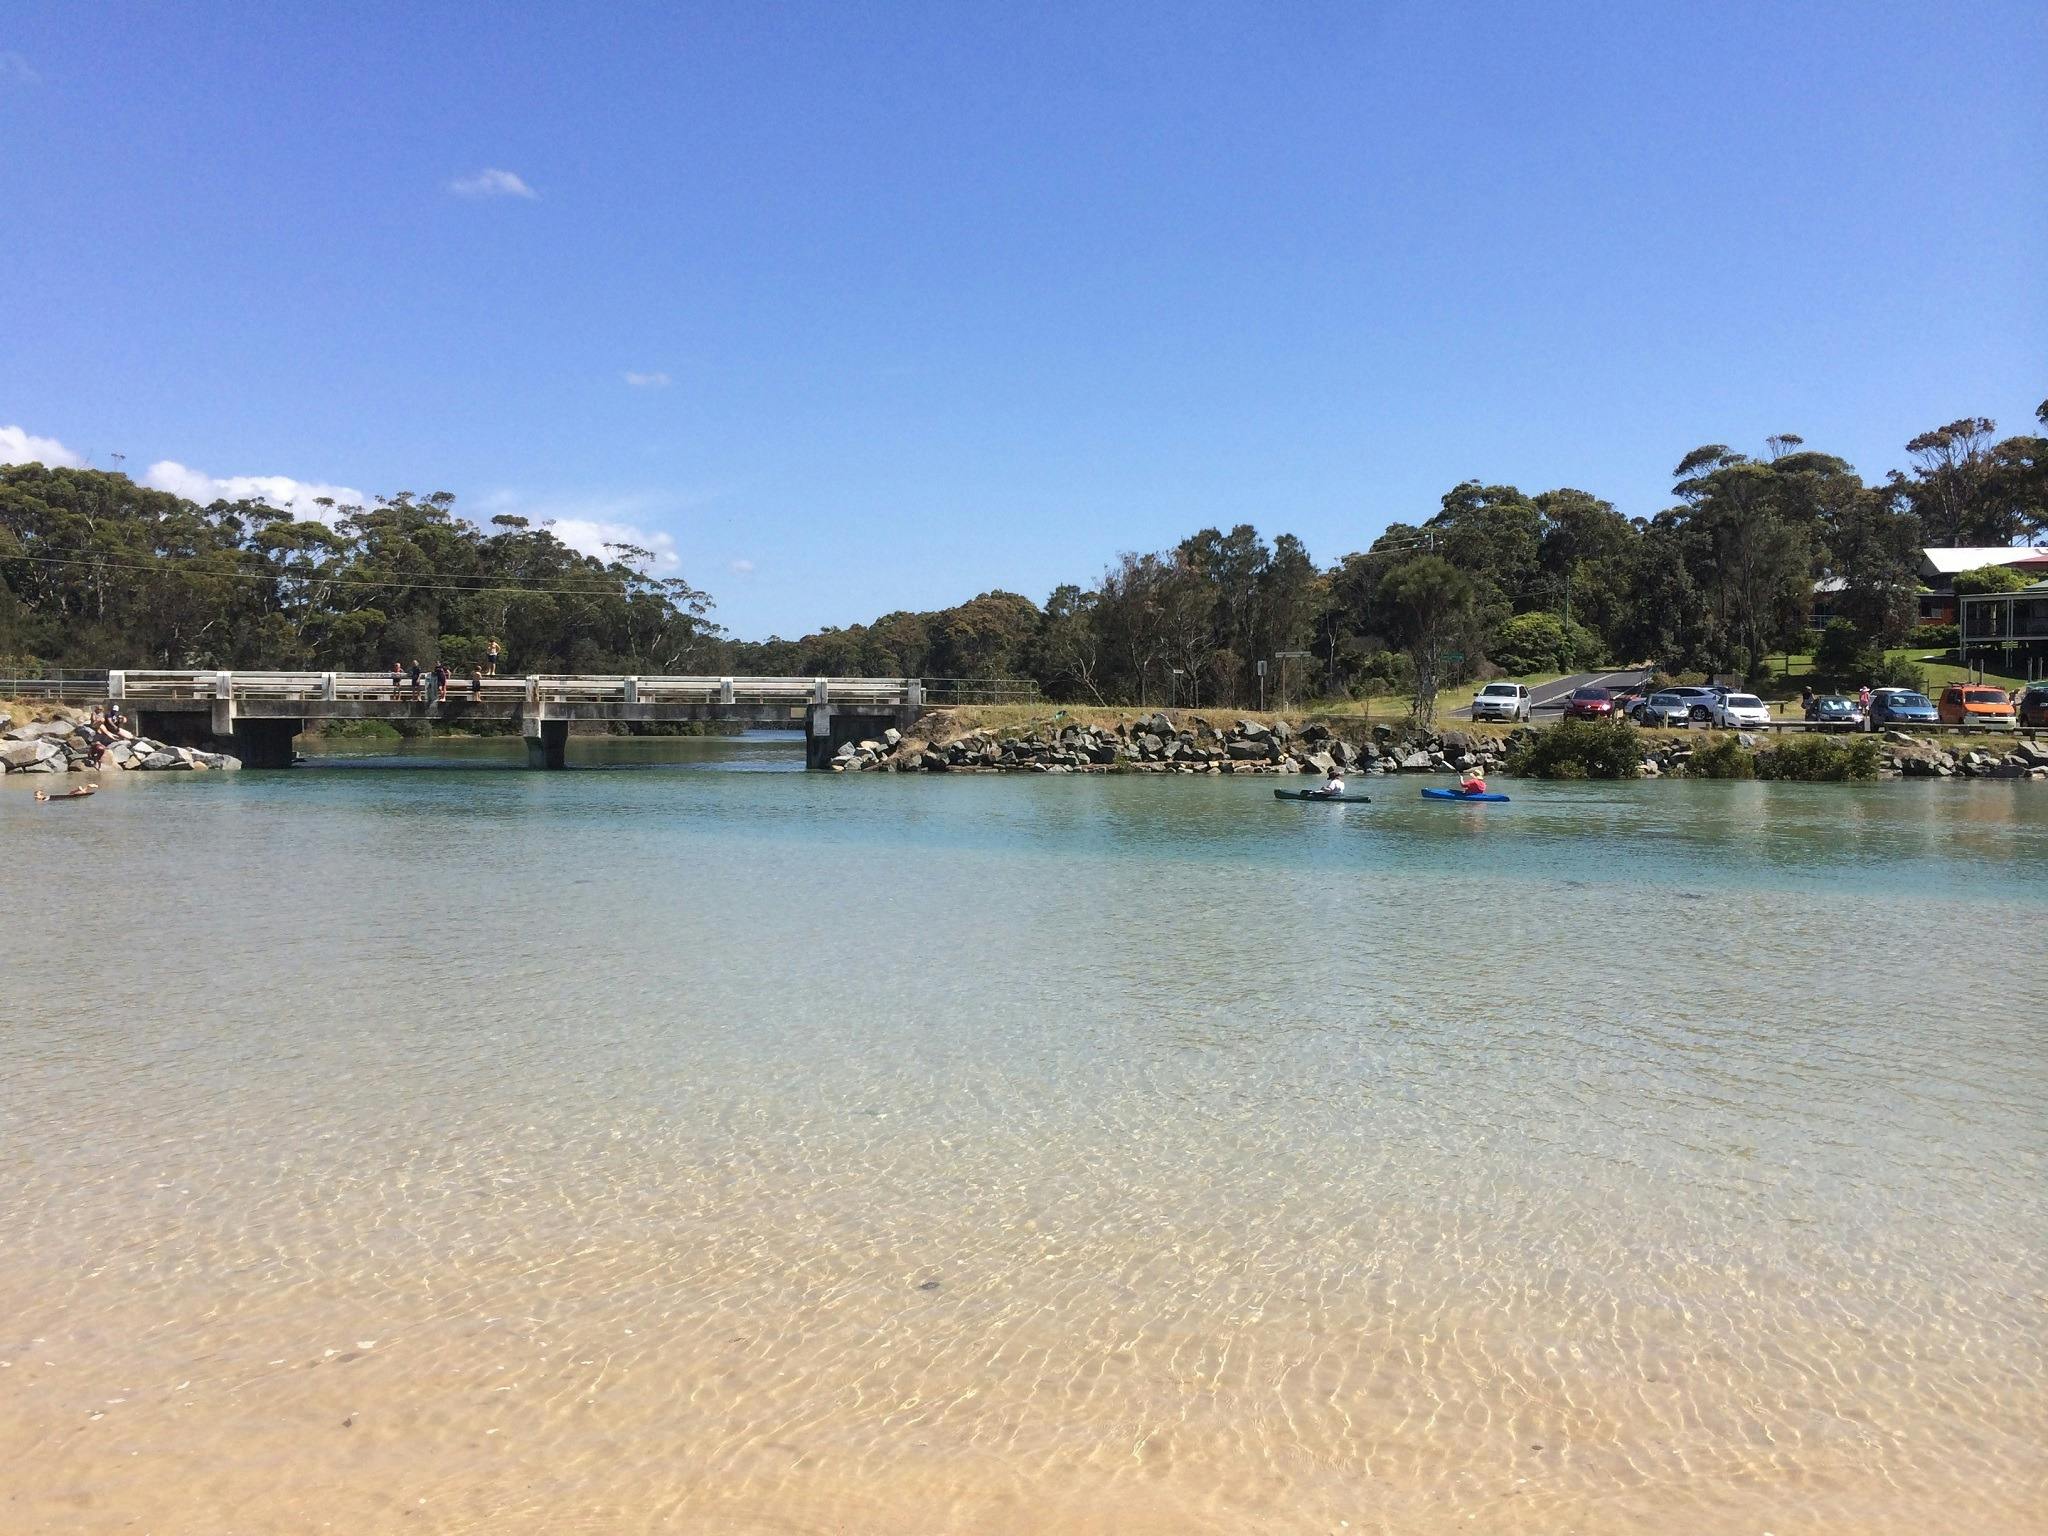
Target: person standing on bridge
<point>419,695</point>
<point>476,684</point>
<point>440,682</point>
<point>397,683</point>
<point>491,659</point>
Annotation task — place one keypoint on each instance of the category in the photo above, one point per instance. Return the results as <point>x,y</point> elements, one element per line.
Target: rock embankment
<point>61,741</point>
<point>1160,743</point>
<point>1911,758</point>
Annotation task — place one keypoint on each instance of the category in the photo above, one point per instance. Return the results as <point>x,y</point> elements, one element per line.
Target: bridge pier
<point>827,729</point>
<point>259,741</point>
<point>547,743</point>
<point>265,743</point>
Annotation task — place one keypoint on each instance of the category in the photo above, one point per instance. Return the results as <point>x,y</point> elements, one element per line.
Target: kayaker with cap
<point>1332,787</point>
<point>1474,783</point>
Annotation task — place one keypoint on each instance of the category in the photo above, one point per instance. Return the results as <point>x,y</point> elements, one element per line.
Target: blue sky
<point>923,299</point>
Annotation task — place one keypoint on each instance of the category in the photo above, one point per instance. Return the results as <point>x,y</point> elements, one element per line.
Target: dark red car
<point>1589,704</point>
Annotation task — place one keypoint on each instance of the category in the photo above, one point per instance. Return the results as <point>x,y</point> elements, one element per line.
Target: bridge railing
<point>147,686</point>
<point>982,690</point>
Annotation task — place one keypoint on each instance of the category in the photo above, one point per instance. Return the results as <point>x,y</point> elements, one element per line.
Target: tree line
<point>94,568</point>
<point>1495,579</point>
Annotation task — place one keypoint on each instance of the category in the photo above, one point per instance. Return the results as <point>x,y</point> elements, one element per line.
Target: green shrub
<point>1820,759</point>
<point>1722,758</point>
<point>1987,579</point>
<point>1579,749</point>
<point>1934,634</point>
<point>1542,642</point>
<point>1899,673</point>
<point>1846,657</point>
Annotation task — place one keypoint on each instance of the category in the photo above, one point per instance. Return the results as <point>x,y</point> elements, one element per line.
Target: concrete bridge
<point>255,715</point>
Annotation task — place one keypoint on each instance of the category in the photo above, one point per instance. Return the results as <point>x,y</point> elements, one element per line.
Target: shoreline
<point>1189,742</point>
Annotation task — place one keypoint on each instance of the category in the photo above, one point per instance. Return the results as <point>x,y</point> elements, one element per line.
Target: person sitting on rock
<point>1332,787</point>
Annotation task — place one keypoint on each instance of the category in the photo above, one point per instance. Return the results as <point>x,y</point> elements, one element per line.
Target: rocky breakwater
<point>1163,743</point>
<point>62,741</point>
<point>1910,757</point>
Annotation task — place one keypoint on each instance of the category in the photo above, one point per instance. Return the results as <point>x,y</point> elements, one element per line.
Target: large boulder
<point>1249,751</point>
<point>165,760</point>
<point>1417,762</point>
<point>25,754</point>
<point>2032,751</point>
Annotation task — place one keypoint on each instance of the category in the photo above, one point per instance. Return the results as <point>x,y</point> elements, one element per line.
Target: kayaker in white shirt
<point>1332,786</point>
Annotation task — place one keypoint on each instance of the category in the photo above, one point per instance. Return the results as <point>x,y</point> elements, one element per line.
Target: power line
<point>488,584</point>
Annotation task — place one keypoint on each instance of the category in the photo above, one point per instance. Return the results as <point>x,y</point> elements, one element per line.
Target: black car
<point>1836,712</point>
<point>2032,704</point>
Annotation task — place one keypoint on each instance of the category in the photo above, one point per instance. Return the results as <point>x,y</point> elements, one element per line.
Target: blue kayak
<point>1458,794</point>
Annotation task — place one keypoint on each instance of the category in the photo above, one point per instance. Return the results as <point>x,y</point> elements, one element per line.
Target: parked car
<point>1836,712</point>
<point>1699,702</point>
<point>1589,704</point>
<point>1974,704</point>
<point>1901,706</point>
<point>2032,705</point>
<point>1501,701</point>
<point>1740,711</point>
<point>1665,708</point>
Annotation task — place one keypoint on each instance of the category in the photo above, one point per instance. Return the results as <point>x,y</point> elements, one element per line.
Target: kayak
<point>1458,794</point>
<point>1309,794</point>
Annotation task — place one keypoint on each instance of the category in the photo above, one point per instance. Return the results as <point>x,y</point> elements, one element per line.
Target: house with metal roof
<point>2007,631</point>
<point>1939,569</point>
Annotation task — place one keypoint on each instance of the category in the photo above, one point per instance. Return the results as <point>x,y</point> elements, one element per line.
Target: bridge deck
<point>317,695</point>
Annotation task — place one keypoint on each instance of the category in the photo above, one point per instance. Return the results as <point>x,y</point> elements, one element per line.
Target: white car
<point>1501,701</point>
<point>1740,711</point>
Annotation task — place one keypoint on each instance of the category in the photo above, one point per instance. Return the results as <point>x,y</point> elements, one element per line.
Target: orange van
<point>1974,704</point>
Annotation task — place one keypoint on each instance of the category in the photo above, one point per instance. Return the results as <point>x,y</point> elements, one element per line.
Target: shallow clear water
<point>698,1144</point>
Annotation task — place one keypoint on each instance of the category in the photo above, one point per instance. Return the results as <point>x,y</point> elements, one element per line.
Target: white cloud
<point>646,380</point>
<point>589,536</point>
<point>18,446</point>
<point>491,183</point>
<point>740,567</point>
<point>278,490</point>
<point>15,70</point>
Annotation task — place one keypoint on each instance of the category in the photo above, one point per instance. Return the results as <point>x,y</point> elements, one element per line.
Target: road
<point>1552,695</point>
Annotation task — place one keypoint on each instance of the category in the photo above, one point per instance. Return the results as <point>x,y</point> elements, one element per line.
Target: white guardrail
<point>164,687</point>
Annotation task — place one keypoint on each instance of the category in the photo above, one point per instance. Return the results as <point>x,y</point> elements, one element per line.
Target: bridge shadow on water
<point>754,751</point>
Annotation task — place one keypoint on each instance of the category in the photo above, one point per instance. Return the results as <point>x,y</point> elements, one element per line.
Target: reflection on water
<point>679,1148</point>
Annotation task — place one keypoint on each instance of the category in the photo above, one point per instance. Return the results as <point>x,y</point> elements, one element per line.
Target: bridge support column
<point>547,743</point>
<point>818,743</point>
<point>265,743</point>
<point>826,729</point>
<point>259,741</point>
